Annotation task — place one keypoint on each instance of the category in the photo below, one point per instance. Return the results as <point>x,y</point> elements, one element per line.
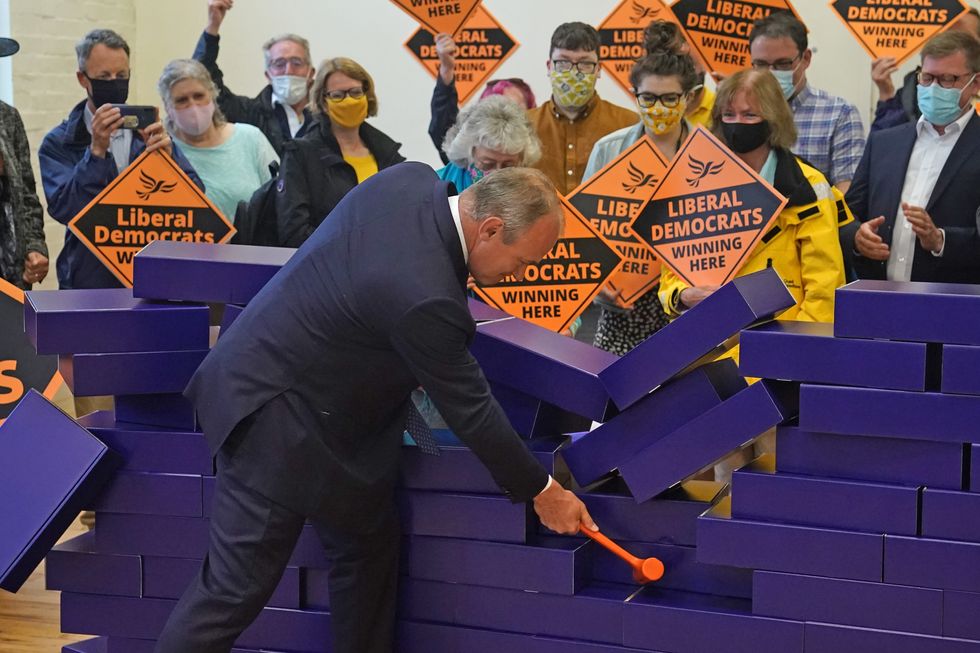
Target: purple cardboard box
<point>848,602</point>
<point>697,336</point>
<point>202,272</point>
<point>475,516</point>
<point>948,515</point>
<point>232,311</point>
<point>793,549</point>
<point>416,637</point>
<point>167,578</point>
<point>607,447</point>
<point>544,364</point>
<point>170,411</point>
<point>534,418</point>
<point>809,352</point>
<point>140,373</point>
<point>895,310</point>
<point>76,566</point>
<point>177,495</point>
<point>151,449</point>
<point>152,535</point>
<point>125,645</point>
<point>960,611</point>
<point>828,638</point>
<point>50,468</point>
<point>709,437</point>
<point>881,460</point>
<point>760,494</point>
<point>974,459</point>
<point>483,312</point>
<point>110,320</point>
<point>97,645</point>
<point>960,365</point>
<point>924,562</point>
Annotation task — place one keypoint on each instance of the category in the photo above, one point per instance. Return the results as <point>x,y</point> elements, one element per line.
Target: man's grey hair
<point>496,123</point>
<point>949,43</point>
<point>518,196</point>
<point>177,71</point>
<point>105,37</point>
<point>295,38</point>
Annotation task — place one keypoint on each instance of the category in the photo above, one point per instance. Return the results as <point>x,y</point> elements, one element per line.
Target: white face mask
<point>195,119</point>
<point>289,89</point>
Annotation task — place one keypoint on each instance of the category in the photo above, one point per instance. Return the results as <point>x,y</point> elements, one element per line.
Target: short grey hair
<point>496,123</point>
<point>105,37</point>
<point>295,38</point>
<point>518,196</point>
<point>177,71</point>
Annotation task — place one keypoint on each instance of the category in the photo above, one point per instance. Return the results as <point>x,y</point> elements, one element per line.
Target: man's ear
<point>490,227</point>
<point>807,58</point>
<point>82,80</point>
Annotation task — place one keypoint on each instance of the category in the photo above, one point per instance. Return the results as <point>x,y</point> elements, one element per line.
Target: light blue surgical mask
<point>786,83</point>
<point>939,105</point>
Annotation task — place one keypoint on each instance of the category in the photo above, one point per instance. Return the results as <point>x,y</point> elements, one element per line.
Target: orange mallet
<point>644,570</point>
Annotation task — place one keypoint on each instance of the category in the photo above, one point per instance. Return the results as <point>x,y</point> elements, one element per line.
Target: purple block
<point>177,495</point>
<point>794,549</point>
<point>923,562</point>
<point>414,637</point>
<point>170,411</point>
<point>544,364</point>
<point>493,518</point>
<point>138,373</point>
<point>882,460</point>
<point>974,454</point>
<point>152,535</point>
<point>149,449</point>
<point>960,365</point>
<point>695,623</point>
<point>315,589</point>
<point>201,272</point>
<point>534,418</point>
<point>709,437</point>
<point>960,611</point>
<point>483,312</point>
<point>894,310</point>
<point>606,448</point>
<point>698,335</point>
<point>125,645</point>
<point>827,638</point>
<point>110,321</point>
<point>50,468</point>
<point>761,495</point>
<point>76,566</point>
<point>948,515</point>
<point>97,645</point>
<point>167,578</point>
<point>809,352</point>
<point>207,494</point>
<point>848,602</point>
<point>232,311</point>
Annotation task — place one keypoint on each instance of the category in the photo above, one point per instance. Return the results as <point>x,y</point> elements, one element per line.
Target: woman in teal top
<point>233,160</point>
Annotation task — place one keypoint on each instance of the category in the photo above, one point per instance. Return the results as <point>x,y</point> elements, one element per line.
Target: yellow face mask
<point>572,89</point>
<point>660,119</point>
<point>349,112</point>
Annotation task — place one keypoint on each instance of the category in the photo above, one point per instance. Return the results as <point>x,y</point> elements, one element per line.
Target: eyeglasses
<point>668,100</point>
<point>355,93</point>
<point>564,66</point>
<point>946,81</point>
<point>279,66</point>
<point>782,64</point>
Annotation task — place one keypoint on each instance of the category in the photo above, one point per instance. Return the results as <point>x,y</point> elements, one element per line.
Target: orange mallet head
<point>645,570</point>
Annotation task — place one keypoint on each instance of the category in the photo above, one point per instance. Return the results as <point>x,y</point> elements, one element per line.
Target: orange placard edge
<point>17,294</point>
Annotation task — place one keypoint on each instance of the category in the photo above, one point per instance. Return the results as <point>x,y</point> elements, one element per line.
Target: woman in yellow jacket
<point>752,118</point>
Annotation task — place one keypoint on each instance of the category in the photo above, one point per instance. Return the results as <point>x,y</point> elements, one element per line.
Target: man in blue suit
<point>916,190</point>
<point>305,399</point>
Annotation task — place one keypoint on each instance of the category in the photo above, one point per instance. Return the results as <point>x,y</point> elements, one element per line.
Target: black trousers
<point>251,541</point>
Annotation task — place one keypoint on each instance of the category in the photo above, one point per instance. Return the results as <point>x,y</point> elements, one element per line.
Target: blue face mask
<point>786,83</point>
<point>939,105</point>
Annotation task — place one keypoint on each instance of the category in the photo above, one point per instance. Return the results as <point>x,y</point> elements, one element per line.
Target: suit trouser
<point>251,541</point>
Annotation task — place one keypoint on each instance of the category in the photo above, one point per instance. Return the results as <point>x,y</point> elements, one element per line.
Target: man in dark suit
<point>305,399</point>
<point>916,188</point>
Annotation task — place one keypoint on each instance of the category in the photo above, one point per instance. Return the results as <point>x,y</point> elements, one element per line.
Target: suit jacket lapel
<point>965,150</point>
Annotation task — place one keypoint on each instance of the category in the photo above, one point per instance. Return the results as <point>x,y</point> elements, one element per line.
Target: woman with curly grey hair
<point>492,134</point>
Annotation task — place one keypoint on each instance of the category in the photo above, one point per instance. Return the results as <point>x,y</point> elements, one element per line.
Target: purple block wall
<point>483,312</point>
<point>232,311</point>
<point>97,645</point>
<point>974,460</point>
<point>77,566</point>
<point>151,449</point>
<point>167,578</point>
<point>827,638</point>
<point>152,535</point>
<point>138,373</point>
<point>950,515</point>
<point>474,516</point>
<point>177,495</point>
<point>170,411</point>
<point>924,562</point>
<point>960,610</point>
<point>960,365</point>
<point>534,418</point>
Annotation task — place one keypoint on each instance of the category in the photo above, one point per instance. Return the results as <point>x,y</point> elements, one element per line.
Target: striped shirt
<point>830,134</point>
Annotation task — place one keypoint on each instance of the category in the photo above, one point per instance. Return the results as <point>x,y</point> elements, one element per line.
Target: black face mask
<point>109,91</point>
<point>745,137</point>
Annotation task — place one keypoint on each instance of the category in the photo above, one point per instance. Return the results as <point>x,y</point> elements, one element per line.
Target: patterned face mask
<point>572,89</point>
<point>660,119</point>
<point>475,173</point>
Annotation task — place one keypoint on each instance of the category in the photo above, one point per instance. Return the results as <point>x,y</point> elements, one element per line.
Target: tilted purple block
<point>950,515</point>
<point>544,364</point>
<point>828,638</point>
<point>709,437</point>
<point>97,645</point>
<point>848,602</point>
<point>232,311</point>
<point>150,449</point>
<point>171,411</point>
<point>152,535</point>
<point>76,566</point>
<point>139,373</point>
<point>960,611</point>
<point>809,352</point>
<point>50,468</point>
<point>614,443</point>
<point>201,272</point>
<point>960,365</point>
<point>534,418</point>
<point>493,518</point>
<point>167,578</point>
<point>483,312</point>
<point>697,336</point>
<point>890,413</point>
<point>924,562</point>
<point>110,320</point>
<point>694,623</point>
<point>896,310</point>
<point>177,495</point>
<point>761,495</point>
<point>794,549</point>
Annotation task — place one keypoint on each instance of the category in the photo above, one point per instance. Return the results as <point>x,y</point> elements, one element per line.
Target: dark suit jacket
<point>877,190</point>
<point>371,306</point>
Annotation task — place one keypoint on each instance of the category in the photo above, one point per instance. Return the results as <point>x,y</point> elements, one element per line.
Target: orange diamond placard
<point>708,213</point>
<point>21,368</point>
<point>621,36</point>
<point>439,16</point>
<point>894,30</point>
<point>151,200</point>
<point>481,47</point>
<point>555,291</point>
<point>719,29</point>
<point>611,199</point>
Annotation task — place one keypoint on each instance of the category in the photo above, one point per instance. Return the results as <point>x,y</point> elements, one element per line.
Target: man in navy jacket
<point>305,399</point>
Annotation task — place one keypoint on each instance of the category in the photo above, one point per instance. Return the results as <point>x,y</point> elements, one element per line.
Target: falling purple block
<point>694,623</point>
<point>960,611</point>
<point>170,411</point>
<point>492,518</point>
<point>97,645</point>
<point>534,418</point>
<point>761,495</point>
<point>152,535</point>
<point>661,413</point>
<point>848,602</point>
<point>110,321</point>
<point>950,515</point>
<point>167,578</point>
<point>809,352</point>
<point>881,460</point>
<point>150,449</point>
<point>895,310</point>
<point>923,562</point>
<point>698,335</point>
<point>177,495</point>
<point>960,365</point>
<point>828,638</point>
<point>140,373</point>
<point>483,312</point>
<point>793,549</point>
<point>544,364</point>
<point>709,437</point>
<point>76,566</point>
<point>232,311</point>
<point>50,468</point>
<point>201,272</point>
